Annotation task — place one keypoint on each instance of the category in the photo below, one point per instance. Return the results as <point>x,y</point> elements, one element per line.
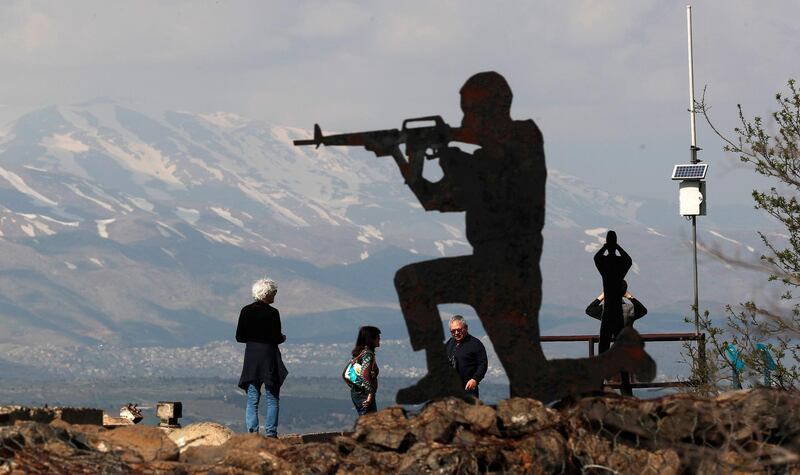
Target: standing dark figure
<point>501,188</point>
<point>363,391</point>
<point>467,355</point>
<point>613,269</point>
<point>260,328</point>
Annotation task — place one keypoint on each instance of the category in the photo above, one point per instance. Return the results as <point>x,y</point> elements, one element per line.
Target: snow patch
<point>70,265</point>
<point>28,229</point>
<point>598,234</point>
<point>145,159</point>
<point>454,231</point>
<point>714,233</point>
<point>33,217</point>
<point>20,185</point>
<point>369,231</point>
<point>36,169</point>
<point>41,227</point>
<point>168,252</point>
<point>72,224</point>
<point>189,215</point>
<point>592,247</point>
<point>364,255</point>
<point>142,204</point>
<point>225,237</point>
<point>227,120</point>
<point>170,228</point>
<point>322,214</point>
<point>102,226</point>
<point>268,202</point>
<point>441,245</point>
<point>227,216</point>
<point>66,142</point>
<point>217,173</point>
<point>653,231</point>
<point>96,261</point>
<point>102,204</point>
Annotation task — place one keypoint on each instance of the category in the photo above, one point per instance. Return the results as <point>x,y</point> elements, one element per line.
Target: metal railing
<point>593,339</point>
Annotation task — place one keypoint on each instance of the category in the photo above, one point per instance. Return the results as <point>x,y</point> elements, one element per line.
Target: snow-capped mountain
<point>116,224</point>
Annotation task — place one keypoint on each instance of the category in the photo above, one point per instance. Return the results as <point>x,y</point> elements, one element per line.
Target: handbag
<point>352,371</point>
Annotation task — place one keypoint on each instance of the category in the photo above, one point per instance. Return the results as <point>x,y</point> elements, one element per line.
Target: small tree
<point>762,335</point>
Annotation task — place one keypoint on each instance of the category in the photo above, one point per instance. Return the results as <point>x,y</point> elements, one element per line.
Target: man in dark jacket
<point>467,355</point>
<point>631,311</point>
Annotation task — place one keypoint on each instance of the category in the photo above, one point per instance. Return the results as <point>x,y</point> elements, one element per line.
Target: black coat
<point>468,358</point>
<point>630,311</point>
<point>260,327</point>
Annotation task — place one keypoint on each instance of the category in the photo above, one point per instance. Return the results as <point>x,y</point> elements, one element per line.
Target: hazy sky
<point>605,80</point>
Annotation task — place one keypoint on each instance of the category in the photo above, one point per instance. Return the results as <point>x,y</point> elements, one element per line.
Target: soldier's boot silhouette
<point>564,377</point>
<point>441,381</point>
<point>627,355</point>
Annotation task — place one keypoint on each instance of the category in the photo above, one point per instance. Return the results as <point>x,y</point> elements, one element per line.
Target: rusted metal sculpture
<point>501,188</point>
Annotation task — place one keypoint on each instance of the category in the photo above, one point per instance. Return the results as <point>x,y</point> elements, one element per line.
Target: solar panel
<point>694,171</point>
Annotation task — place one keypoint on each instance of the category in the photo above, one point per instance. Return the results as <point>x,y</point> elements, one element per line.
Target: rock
<point>519,416</point>
<point>741,432</point>
<point>200,433</point>
<point>139,444</point>
<point>202,455</point>
<point>256,461</point>
<point>545,450</point>
<point>437,422</point>
<point>32,447</point>
<point>387,428</point>
<point>439,459</point>
<point>313,458</point>
<point>616,414</point>
<point>464,436</point>
<point>70,415</point>
<point>481,418</point>
<point>210,454</point>
<point>593,451</point>
<point>242,452</point>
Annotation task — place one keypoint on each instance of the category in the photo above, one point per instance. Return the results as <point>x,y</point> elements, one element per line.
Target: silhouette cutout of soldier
<point>501,187</point>
<point>613,268</point>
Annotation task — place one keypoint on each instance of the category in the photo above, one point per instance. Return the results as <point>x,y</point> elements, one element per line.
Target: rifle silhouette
<point>382,142</point>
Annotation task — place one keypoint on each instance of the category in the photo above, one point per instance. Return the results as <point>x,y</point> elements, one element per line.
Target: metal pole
<point>691,86</point>
<point>693,154</point>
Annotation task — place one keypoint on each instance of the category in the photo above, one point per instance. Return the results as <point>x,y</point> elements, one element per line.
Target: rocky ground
<point>750,431</point>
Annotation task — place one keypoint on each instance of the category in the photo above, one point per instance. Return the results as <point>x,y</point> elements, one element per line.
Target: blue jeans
<point>251,411</point>
<point>358,401</point>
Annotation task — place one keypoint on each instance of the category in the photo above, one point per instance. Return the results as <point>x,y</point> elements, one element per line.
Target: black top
<point>260,327</point>
<point>259,322</point>
<point>630,311</point>
<point>469,358</point>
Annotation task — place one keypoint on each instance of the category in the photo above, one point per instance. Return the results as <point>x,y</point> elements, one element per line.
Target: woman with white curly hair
<point>260,328</point>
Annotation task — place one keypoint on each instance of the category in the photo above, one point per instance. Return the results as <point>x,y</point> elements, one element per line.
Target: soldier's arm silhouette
<point>599,262</point>
<point>626,262</point>
<point>438,196</point>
